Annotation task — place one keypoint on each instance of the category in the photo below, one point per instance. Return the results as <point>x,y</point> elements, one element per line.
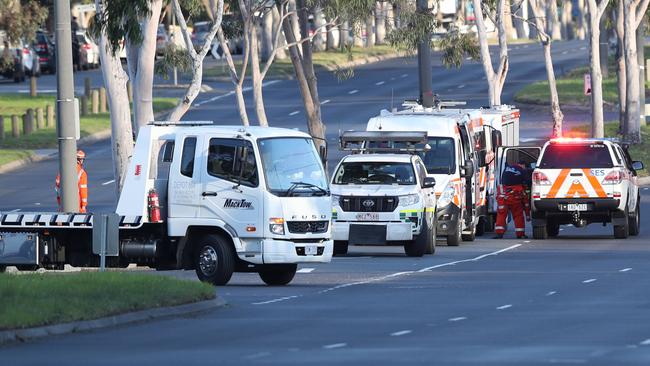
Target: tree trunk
<point>380,22</point>
<point>566,20</point>
<point>511,32</point>
<point>554,21</point>
<point>281,52</point>
<point>143,83</point>
<point>597,123</point>
<point>485,51</point>
<point>497,79</point>
<point>581,32</point>
<point>370,31</point>
<point>320,43</point>
<point>267,35</point>
<point>604,47</point>
<point>344,30</point>
<point>620,66</point>
<point>115,79</point>
<point>632,133</point>
<point>258,96</point>
<point>521,11</point>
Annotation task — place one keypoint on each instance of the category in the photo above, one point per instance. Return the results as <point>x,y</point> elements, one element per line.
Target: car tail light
<point>26,51</point>
<point>540,179</point>
<point>614,177</point>
<point>617,194</point>
<point>87,46</point>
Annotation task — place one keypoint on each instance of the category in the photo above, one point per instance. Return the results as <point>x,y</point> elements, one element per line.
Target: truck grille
<point>302,227</point>
<point>368,204</point>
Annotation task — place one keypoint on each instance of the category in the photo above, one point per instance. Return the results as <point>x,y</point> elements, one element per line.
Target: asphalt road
<point>581,298</point>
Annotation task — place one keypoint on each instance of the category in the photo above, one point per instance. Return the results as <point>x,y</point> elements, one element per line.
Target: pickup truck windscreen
<point>375,173</point>
<point>292,166</point>
<point>576,156</point>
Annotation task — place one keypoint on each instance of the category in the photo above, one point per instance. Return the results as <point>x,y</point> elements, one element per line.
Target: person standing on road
<point>82,183</point>
<point>512,196</point>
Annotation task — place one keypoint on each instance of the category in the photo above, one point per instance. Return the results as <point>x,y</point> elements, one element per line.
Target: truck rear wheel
<point>622,231</point>
<point>540,232</point>
<point>340,247</point>
<point>214,260</point>
<point>279,276</point>
<point>553,229</point>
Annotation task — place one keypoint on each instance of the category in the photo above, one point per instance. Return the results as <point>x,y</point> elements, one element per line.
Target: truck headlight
<point>409,199</point>
<point>276,225</point>
<point>335,199</point>
<point>447,196</point>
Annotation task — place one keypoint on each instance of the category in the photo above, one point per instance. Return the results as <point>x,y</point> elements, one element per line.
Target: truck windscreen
<point>441,158</point>
<point>291,161</point>
<point>576,156</point>
<point>375,173</point>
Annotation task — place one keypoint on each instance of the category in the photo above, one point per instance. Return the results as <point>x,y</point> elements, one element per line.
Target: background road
<point>581,298</point>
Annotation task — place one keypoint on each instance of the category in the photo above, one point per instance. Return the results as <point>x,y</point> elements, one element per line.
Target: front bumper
<point>284,251</point>
<point>447,218</point>
<point>395,230</point>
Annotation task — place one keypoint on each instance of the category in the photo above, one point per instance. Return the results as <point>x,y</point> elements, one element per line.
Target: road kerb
<point>22,335</point>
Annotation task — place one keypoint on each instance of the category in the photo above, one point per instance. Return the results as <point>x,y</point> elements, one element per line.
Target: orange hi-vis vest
<point>82,181</point>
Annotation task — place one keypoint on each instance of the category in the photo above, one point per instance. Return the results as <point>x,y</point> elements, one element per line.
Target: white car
<point>89,51</point>
<point>583,181</point>
<point>379,199</point>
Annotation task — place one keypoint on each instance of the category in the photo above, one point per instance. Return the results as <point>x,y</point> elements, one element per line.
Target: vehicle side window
<point>421,171</point>
<point>464,138</point>
<point>226,161</point>
<point>617,155</point>
<point>187,158</point>
<point>627,159</point>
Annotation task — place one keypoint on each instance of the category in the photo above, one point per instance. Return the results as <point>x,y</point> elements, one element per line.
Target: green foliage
<point>120,19</point>
<point>350,10</point>
<point>456,46</point>
<point>21,19</point>
<point>418,27</point>
<point>172,57</point>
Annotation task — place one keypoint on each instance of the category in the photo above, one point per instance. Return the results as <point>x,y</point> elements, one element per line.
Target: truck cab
<point>452,160</point>
<point>231,199</point>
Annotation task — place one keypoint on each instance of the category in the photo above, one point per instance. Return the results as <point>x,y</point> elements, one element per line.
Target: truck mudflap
<point>55,220</point>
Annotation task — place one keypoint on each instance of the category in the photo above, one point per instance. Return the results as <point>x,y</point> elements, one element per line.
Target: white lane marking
<point>325,102</point>
<point>380,83</point>
<point>257,355</point>
<point>503,307</point>
<point>468,58</point>
<point>37,203</point>
<point>589,280</point>
<point>646,188</point>
<point>461,86</point>
<point>551,293</point>
<point>561,229</point>
<point>457,319</point>
<point>354,91</point>
<point>567,360</point>
<point>471,259</point>
<point>16,210</point>
<point>394,79</point>
<point>526,241</point>
<point>583,48</point>
<point>525,46</point>
<point>305,270</point>
<point>565,52</point>
<point>335,345</point>
<point>109,182</point>
<point>275,300</point>
<point>404,75</point>
<point>294,113</point>
<point>625,269</point>
<point>232,92</point>
<point>646,342</point>
<point>400,333</point>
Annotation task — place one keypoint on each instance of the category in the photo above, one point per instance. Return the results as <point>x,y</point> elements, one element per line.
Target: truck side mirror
<point>481,156</point>
<point>468,169</point>
<point>429,182</point>
<point>497,139</point>
<point>637,165</point>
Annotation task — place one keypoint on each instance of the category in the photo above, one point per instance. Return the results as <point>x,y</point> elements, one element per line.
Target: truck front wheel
<point>279,276</point>
<point>214,260</point>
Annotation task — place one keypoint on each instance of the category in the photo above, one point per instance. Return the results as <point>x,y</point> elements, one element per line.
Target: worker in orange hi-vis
<point>82,182</point>
<point>512,196</point>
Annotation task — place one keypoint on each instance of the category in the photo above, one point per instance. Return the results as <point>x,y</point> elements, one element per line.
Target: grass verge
<point>12,148</point>
<point>43,299</point>
<point>283,68</point>
<point>637,152</point>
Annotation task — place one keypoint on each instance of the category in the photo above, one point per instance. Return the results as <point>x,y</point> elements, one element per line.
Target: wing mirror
<point>637,165</point>
<point>467,169</point>
<point>481,156</point>
<point>497,139</point>
<point>429,182</point>
<point>322,151</point>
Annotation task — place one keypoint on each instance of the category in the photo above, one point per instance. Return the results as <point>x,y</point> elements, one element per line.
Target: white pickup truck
<point>230,199</point>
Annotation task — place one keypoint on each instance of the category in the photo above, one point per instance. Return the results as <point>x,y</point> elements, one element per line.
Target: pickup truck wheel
<point>622,231</point>
<point>480,227</point>
<point>454,236</point>
<point>214,260</point>
<point>540,232</point>
<point>635,220</point>
<point>279,277</point>
<point>340,247</point>
<point>472,234</point>
<point>553,229</point>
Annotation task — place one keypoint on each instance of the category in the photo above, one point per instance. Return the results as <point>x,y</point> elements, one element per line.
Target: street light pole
<point>424,62</point>
<point>65,121</point>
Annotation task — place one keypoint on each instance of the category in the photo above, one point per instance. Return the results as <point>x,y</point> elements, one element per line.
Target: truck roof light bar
<point>181,123</point>
<point>384,141</point>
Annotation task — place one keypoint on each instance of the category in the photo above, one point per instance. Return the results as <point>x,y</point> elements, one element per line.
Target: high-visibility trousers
<point>513,199</point>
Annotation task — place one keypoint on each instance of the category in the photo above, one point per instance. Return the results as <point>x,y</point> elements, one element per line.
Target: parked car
<point>202,29</point>
<point>88,51</point>
<point>17,59</point>
<point>162,40</point>
<point>45,51</point>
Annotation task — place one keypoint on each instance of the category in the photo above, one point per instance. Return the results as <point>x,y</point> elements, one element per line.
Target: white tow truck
<point>381,195</point>
<point>230,199</point>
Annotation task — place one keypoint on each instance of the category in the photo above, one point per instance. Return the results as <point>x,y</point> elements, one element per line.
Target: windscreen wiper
<point>295,185</point>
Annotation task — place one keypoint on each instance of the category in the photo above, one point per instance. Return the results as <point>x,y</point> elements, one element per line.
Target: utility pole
<point>65,122</point>
<point>640,56</point>
<point>424,62</point>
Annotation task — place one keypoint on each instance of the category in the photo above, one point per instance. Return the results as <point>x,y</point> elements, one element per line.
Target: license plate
<point>311,249</point>
<point>368,216</point>
<point>576,207</point>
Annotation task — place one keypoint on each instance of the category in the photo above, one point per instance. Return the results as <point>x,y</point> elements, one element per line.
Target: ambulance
<point>584,181</point>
